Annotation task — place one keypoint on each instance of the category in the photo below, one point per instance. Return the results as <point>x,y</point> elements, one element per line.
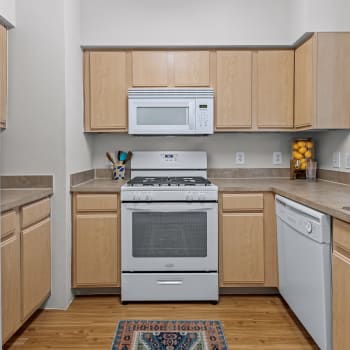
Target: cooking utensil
<point>110,157</point>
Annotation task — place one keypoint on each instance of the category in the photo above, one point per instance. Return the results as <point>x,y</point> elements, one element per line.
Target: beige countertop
<point>12,198</point>
<point>324,196</point>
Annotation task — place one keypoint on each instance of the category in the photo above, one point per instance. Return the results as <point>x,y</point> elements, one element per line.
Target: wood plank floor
<point>249,322</point>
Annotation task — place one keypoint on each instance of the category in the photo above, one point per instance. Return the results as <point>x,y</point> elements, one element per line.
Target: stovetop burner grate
<point>169,181</point>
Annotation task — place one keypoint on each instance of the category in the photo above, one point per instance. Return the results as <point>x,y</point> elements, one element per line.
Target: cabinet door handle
<point>169,282</point>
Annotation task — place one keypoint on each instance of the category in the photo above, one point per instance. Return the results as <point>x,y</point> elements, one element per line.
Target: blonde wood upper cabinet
<point>234,90</point>
<point>105,89</point>
<point>36,266</point>
<point>150,68</point>
<point>247,240</point>
<point>10,275</point>
<point>3,76</point>
<point>322,82</point>
<point>341,285</point>
<point>273,94</point>
<point>191,68</point>
<point>95,240</point>
<point>163,68</point>
<point>304,85</point>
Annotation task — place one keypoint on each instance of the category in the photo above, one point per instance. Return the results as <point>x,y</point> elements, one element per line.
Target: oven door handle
<point>168,209</point>
<point>169,282</point>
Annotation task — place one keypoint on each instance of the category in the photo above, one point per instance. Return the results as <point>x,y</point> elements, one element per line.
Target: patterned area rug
<point>169,335</point>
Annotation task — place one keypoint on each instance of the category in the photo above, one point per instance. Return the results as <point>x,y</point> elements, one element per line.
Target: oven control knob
<point>201,196</point>
<point>148,197</point>
<point>189,196</point>
<point>135,197</point>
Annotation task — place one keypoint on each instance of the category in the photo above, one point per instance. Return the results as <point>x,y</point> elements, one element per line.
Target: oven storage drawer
<point>169,286</point>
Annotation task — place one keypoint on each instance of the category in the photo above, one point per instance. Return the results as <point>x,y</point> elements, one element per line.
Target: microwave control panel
<point>204,115</point>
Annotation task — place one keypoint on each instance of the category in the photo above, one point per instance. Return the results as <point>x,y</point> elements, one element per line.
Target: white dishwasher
<point>304,264</point>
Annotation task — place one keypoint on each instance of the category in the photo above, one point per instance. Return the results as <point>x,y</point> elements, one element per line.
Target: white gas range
<point>169,223</point>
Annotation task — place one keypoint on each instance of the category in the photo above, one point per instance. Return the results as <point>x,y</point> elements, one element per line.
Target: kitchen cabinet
<point>273,94</point>
<point>150,68</point>
<point>191,68</point>
<point>10,274</point>
<point>36,266</point>
<point>341,285</point>
<point>25,263</point>
<point>322,82</point>
<point>3,76</point>
<point>247,240</point>
<point>233,90</point>
<point>105,91</point>
<point>96,240</point>
<point>181,68</point>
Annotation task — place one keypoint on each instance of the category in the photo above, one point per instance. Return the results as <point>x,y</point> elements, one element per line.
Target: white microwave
<point>175,111</point>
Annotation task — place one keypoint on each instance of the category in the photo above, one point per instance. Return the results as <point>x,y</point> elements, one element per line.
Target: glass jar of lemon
<point>302,151</point>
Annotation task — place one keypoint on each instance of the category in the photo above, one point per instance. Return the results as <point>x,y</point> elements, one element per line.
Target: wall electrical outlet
<point>347,160</point>
<point>240,158</point>
<point>277,158</point>
<point>336,159</point>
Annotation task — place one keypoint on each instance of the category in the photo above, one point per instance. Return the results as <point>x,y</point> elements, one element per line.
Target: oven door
<point>169,236</point>
<point>162,116</point>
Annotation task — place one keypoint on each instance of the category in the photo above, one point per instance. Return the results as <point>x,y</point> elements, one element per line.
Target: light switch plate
<point>336,159</point>
<point>347,160</point>
<point>240,158</point>
<point>277,158</point>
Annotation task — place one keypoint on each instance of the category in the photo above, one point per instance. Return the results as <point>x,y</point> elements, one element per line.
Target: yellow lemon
<point>303,166</point>
<point>308,154</point>
<point>302,150</point>
<point>304,160</point>
<point>295,147</point>
<point>297,155</point>
<point>309,145</point>
<point>301,143</point>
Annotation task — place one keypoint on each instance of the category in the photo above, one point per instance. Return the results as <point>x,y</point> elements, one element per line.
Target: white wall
<point>8,12</point>
<point>333,141</point>
<point>186,22</point>
<point>258,148</point>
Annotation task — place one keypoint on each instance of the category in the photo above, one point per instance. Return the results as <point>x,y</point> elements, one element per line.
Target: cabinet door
<point>341,301</point>
<point>150,68</point>
<point>36,266</point>
<point>234,89</point>
<point>107,92</point>
<point>274,90</point>
<point>96,246</point>
<point>191,68</point>
<point>3,76</point>
<point>242,248</point>
<point>10,286</point>
<point>304,85</point>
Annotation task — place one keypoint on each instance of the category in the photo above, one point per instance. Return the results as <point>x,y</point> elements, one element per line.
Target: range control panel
<point>168,157</point>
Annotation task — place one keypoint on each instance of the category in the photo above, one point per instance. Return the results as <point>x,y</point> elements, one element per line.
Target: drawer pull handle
<point>170,282</point>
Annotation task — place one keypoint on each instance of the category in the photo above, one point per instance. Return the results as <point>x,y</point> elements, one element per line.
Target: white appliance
<point>171,111</point>
<point>169,229</point>
<point>304,260</point>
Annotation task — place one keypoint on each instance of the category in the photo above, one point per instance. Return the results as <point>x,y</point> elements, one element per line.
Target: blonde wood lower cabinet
<point>10,274</point>
<point>247,240</point>
<point>95,241</point>
<point>341,285</point>
<point>36,266</point>
<point>25,263</point>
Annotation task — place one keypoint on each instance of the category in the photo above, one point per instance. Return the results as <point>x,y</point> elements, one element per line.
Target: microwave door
<point>151,116</point>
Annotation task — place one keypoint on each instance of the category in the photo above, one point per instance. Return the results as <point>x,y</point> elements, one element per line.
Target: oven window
<point>162,116</point>
<point>177,234</point>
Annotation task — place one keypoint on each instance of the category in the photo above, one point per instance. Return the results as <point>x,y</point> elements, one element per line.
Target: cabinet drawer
<point>97,202</point>
<point>242,201</point>
<point>341,237</point>
<point>35,212</point>
<point>8,224</point>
